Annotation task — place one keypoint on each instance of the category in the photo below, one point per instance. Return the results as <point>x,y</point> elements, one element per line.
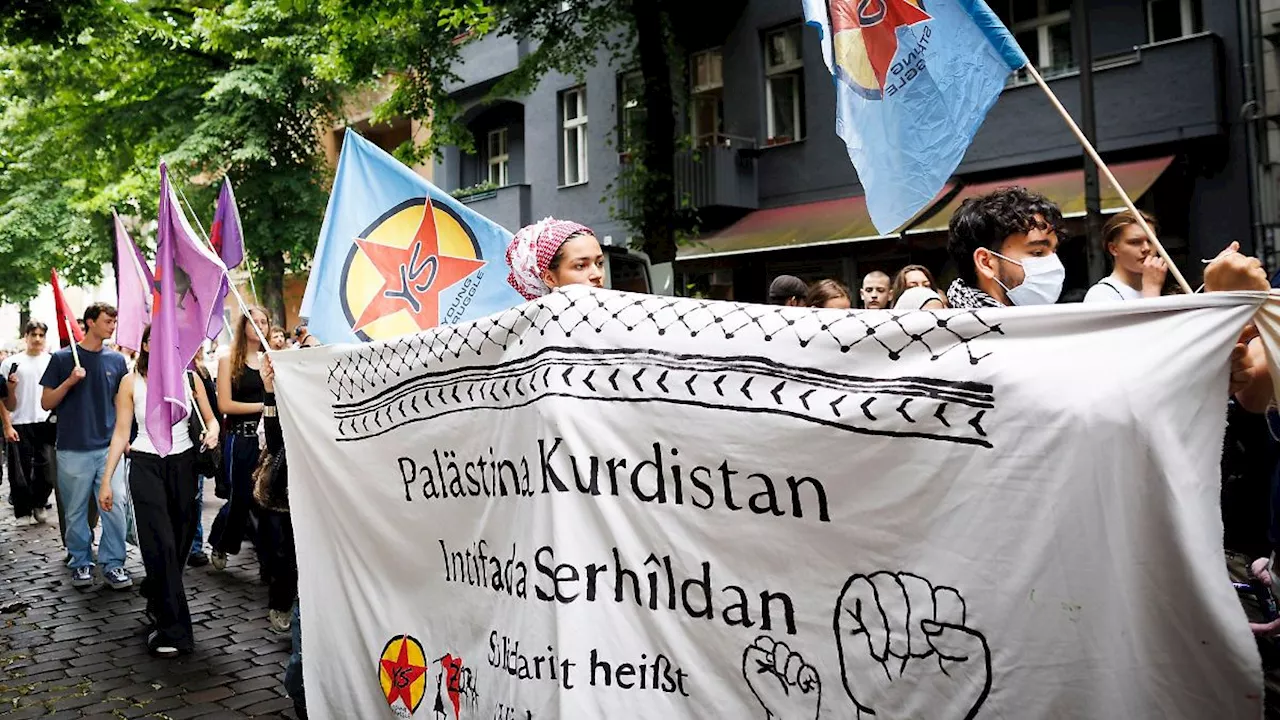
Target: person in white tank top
<point>163,488</point>
<point>1139,272</point>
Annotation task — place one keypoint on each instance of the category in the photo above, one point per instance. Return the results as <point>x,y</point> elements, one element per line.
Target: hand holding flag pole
<point>1102,167</point>
<point>75,352</point>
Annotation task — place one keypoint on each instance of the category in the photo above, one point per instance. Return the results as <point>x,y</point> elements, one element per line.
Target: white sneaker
<point>280,620</point>
<point>218,559</point>
<point>39,516</point>
<point>117,578</point>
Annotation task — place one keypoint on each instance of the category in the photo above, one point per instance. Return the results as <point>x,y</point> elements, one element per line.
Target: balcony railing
<point>717,175</point>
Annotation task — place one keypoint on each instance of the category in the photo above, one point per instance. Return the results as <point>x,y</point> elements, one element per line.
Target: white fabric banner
<point>603,505</point>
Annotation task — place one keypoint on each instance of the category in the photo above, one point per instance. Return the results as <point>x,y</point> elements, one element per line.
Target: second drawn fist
<point>787,687</point>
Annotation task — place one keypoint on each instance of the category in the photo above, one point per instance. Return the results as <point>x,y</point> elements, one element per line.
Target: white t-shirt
<point>1108,290</point>
<point>142,443</point>
<point>30,370</point>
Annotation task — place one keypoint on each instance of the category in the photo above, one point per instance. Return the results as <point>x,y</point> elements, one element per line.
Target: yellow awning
<point>1064,188</point>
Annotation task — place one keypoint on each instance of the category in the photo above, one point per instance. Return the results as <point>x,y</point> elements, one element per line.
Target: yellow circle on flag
<point>361,281</point>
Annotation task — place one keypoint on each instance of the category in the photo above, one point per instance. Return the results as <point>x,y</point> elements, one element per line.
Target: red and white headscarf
<point>531,250</point>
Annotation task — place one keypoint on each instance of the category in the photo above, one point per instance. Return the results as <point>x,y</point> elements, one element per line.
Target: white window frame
<point>1041,25</point>
<point>499,164</point>
<point>628,104</point>
<point>794,67</point>
<point>1186,18</point>
<point>713,83</point>
<point>577,126</point>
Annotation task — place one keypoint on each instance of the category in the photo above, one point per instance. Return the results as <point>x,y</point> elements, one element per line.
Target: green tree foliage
<point>419,44</point>
<point>92,99</point>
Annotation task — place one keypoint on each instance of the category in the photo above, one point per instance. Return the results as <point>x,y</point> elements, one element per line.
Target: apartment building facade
<point>772,183</point>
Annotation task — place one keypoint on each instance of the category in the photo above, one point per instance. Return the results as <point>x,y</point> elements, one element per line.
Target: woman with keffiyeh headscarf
<point>551,254</point>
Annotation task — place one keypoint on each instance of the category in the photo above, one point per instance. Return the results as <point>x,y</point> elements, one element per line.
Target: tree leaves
<point>214,87</point>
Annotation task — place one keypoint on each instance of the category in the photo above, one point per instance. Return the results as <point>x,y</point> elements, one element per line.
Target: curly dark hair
<point>987,221</point>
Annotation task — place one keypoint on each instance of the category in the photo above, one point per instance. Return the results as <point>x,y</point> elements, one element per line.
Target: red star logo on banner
<point>402,674</point>
<point>413,277</point>
<point>879,21</point>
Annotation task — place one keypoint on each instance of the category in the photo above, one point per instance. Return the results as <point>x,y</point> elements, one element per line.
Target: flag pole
<point>252,288</point>
<point>75,354</point>
<point>244,308</point>
<point>209,242</point>
<point>1093,155</point>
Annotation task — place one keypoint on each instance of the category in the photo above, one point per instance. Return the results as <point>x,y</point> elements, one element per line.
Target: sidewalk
<point>79,653</point>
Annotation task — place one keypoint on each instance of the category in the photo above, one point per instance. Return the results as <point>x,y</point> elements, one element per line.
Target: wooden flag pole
<point>209,242</point>
<point>1093,155</point>
<point>75,353</point>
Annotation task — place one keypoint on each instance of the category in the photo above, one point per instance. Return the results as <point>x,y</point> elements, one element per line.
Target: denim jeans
<point>293,670</point>
<point>79,480</point>
<point>198,544</point>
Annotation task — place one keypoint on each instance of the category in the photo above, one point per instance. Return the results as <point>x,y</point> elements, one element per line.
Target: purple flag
<point>134,284</point>
<point>189,280</point>
<point>226,236</point>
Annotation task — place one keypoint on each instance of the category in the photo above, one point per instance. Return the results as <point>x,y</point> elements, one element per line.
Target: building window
<point>1043,31</point>
<point>1172,19</point>
<point>573,144</point>
<point>784,86</point>
<point>498,157</point>
<point>633,113</point>
<point>707,79</point>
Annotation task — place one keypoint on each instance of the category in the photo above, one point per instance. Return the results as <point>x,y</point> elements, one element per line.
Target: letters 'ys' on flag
<point>397,255</point>
<point>134,286</point>
<point>187,307</point>
<point>914,81</point>
<point>66,318</point>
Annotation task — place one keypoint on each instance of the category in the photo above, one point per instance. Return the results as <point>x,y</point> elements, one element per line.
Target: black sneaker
<point>197,559</point>
<point>157,648</point>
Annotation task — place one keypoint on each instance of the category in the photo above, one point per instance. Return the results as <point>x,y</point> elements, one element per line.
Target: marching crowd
<point>77,428</point>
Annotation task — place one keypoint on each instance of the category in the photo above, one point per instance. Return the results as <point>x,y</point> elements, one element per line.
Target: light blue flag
<point>397,255</point>
<point>914,81</point>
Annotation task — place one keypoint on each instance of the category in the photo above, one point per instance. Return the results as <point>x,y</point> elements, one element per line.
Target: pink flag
<point>188,304</point>
<point>134,284</point>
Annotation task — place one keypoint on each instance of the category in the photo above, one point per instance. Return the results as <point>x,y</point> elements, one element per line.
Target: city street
<point>67,653</point>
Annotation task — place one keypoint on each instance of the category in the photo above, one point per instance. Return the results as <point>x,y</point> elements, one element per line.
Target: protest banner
<point>604,505</point>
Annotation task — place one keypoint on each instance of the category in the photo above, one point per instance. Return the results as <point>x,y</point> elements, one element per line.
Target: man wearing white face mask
<point>1005,245</point>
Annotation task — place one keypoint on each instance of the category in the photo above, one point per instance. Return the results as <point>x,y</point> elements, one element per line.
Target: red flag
<point>65,316</point>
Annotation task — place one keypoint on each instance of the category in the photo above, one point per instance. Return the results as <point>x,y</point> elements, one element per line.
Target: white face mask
<point>1041,282</point>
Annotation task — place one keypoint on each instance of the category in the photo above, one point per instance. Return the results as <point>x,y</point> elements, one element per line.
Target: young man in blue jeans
<point>84,396</point>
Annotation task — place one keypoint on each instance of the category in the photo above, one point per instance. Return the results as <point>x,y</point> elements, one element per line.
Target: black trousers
<point>164,501</point>
<point>34,447</point>
<point>240,516</point>
<point>282,570</point>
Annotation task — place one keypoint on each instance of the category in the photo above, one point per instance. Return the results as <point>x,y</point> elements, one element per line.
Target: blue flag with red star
<point>397,255</point>
<point>914,81</point>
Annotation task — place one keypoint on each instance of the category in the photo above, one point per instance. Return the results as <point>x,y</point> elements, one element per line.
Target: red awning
<point>1064,188</point>
<point>827,222</point>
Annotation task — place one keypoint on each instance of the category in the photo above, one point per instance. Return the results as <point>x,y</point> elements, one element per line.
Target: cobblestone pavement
<point>80,653</point>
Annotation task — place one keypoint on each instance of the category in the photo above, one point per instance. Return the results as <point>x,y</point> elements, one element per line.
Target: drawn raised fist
<point>787,687</point>
<point>905,651</point>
